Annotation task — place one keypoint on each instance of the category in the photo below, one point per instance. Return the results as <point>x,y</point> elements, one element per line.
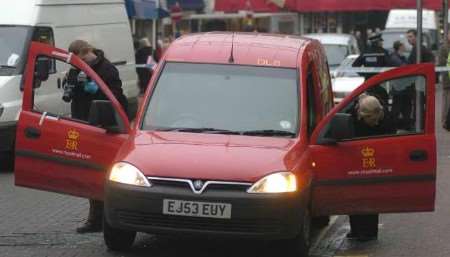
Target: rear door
<point>55,152</point>
<point>390,172</point>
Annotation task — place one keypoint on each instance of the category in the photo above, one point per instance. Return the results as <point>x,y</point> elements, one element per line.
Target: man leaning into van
<point>81,95</point>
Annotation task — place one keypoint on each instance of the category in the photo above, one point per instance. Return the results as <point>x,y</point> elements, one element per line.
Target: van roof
<point>400,18</point>
<point>25,12</point>
<point>72,2</point>
<point>248,49</point>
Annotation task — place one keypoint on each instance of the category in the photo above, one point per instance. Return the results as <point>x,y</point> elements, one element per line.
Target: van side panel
<point>104,25</point>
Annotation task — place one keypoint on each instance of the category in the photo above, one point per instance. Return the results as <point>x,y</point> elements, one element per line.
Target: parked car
<point>237,137</point>
<point>344,82</point>
<point>337,47</point>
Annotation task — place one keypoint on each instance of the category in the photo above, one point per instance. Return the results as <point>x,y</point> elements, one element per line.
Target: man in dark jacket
<point>83,95</point>
<point>371,118</point>
<point>426,54</point>
<point>373,56</point>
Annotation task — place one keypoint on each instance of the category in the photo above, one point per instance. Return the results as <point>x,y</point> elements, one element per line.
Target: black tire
<point>320,221</point>
<point>117,239</point>
<point>299,246</point>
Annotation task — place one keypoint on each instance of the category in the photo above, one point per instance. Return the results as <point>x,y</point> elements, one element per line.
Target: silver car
<point>337,47</point>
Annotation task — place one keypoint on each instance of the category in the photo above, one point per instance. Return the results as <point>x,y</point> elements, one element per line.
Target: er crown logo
<point>368,152</point>
<point>73,134</point>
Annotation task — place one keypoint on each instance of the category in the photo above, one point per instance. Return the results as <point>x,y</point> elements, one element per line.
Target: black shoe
<point>366,238</point>
<point>351,235</point>
<point>89,227</point>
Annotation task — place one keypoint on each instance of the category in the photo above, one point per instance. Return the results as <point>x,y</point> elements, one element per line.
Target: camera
<point>73,79</point>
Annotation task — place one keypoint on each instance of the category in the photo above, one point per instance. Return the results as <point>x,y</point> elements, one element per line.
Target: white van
<point>103,23</point>
<point>400,21</point>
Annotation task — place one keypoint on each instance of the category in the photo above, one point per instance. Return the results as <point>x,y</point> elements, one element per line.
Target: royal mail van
<point>237,137</point>
<point>103,23</point>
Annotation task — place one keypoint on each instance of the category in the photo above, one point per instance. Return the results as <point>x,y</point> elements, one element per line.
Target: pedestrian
<point>374,56</point>
<point>444,60</point>
<point>402,91</point>
<point>83,95</point>
<point>397,58</point>
<point>371,118</point>
<point>143,55</point>
<point>360,41</point>
<point>426,54</point>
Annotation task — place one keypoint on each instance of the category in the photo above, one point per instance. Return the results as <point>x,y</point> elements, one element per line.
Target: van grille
<point>201,224</point>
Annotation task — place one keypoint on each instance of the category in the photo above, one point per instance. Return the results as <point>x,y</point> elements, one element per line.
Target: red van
<point>237,136</point>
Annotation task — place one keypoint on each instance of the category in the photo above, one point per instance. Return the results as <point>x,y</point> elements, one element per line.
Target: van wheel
<point>320,221</point>
<point>117,239</point>
<point>299,246</point>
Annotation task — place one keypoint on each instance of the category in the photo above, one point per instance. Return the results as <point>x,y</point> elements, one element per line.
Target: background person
<point>397,58</point>
<point>144,52</point>
<point>83,95</point>
<point>426,54</point>
<point>444,60</point>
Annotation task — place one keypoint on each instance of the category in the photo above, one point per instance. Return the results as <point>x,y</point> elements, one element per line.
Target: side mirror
<point>102,114</point>
<point>42,70</point>
<point>341,127</point>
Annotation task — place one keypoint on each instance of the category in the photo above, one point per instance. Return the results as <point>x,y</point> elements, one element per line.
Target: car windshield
<point>224,99</point>
<point>342,70</point>
<point>335,54</point>
<point>13,42</point>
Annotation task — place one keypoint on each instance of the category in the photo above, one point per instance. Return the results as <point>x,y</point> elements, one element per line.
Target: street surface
<point>35,223</point>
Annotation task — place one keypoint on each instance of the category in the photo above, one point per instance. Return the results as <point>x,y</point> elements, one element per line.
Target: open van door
<point>388,172</point>
<point>61,154</point>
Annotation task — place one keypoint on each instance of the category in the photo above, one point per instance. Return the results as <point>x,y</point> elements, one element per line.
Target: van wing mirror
<point>41,70</point>
<point>102,114</point>
<point>341,127</point>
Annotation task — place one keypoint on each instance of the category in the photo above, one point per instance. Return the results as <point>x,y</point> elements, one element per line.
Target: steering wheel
<point>186,120</point>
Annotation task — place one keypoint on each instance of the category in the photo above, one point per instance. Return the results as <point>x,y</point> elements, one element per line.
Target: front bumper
<point>254,216</point>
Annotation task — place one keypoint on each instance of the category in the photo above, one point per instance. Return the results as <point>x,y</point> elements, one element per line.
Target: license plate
<point>197,209</point>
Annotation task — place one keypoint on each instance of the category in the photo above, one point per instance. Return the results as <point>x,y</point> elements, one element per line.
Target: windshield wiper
<point>268,132</point>
<point>7,66</point>
<point>202,130</point>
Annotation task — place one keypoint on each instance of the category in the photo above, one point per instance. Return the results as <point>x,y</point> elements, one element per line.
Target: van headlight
<point>281,182</point>
<point>126,173</point>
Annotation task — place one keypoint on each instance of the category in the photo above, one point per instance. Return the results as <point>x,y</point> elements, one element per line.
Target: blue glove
<point>90,87</point>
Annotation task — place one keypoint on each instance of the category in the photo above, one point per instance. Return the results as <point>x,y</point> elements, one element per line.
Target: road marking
<point>324,232</point>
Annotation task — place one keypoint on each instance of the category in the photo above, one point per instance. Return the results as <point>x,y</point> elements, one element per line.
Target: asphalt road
<point>35,223</point>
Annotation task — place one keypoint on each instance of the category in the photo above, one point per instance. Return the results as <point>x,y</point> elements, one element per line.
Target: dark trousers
<point>95,212</point>
<point>364,225</point>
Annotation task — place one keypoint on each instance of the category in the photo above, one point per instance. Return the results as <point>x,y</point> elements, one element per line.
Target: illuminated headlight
<point>126,173</point>
<point>281,182</point>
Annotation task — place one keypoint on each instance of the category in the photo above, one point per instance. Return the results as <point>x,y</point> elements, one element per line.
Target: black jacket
<point>81,101</point>
<point>373,56</point>
<point>144,74</point>
<point>426,55</point>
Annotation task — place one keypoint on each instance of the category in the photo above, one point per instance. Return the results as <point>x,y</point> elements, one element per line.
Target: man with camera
<point>81,91</point>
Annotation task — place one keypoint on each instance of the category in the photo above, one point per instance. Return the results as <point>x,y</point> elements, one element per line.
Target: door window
<point>394,108</point>
<point>68,94</point>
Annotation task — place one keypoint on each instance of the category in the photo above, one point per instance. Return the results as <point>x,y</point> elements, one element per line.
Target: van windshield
<point>13,42</point>
<point>225,99</point>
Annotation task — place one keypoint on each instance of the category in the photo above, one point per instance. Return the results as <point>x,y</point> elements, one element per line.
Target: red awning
<point>362,5</point>
<point>322,5</point>
<point>255,5</point>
